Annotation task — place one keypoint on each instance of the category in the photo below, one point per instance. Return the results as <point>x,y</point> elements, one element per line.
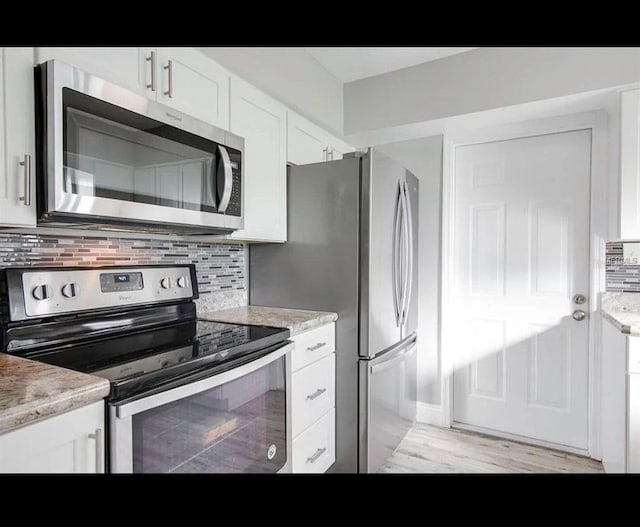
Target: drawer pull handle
<point>318,453</point>
<point>316,394</point>
<point>317,346</point>
<point>97,436</point>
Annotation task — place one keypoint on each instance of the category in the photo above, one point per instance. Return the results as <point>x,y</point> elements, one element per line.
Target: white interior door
<point>521,252</point>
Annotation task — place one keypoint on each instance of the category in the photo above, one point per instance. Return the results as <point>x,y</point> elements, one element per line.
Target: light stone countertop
<point>296,320</point>
<point>623,311</point>
<point>31,390</point>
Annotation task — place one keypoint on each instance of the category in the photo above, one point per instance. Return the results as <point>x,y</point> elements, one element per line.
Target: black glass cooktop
<point>138,362</point>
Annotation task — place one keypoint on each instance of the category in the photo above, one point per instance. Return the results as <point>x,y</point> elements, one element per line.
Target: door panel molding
<point>601,228</point>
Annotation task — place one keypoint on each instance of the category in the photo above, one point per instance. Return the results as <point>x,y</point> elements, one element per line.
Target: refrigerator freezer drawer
<point>313,393</point>
<point>314,449</point>
<point>388,404</point>
<point>312,345</point>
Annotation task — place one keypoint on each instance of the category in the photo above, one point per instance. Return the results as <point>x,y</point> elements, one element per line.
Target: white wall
<point>423,157</point>
<point>483,79</point>
<point>290,75</point>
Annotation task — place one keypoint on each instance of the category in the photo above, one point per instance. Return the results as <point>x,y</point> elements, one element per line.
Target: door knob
<point>579,298</point>
<point>578,315</point>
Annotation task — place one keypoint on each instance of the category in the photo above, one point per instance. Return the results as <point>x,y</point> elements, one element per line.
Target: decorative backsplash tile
<point>622,273</point>
<point>220,267</point>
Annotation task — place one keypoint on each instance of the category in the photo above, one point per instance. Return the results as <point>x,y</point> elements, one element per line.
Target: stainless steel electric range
<point>186,395</point>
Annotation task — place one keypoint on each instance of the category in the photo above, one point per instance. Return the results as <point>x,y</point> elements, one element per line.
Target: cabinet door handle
<point>325,154</point>
<point>316,394</point>
<point>152,59</point>
<point>330,151</point>
<point>314,457</point>
<point>169,68</point>
<point>97,435</point>
<point>26,163</point>
<point>317,346</point>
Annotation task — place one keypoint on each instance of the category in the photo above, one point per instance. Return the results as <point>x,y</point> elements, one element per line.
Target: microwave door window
<point>113,153</point>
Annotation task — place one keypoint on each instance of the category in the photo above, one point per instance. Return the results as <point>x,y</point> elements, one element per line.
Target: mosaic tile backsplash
<point>621,276</point>
<point>220,267</point>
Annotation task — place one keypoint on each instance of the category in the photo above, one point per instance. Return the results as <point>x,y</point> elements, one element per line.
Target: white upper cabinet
<point>338,148</point>
<point>630,164</point>
<point>17,138</point>
<point>262,122</point>
<point>194,84</point>
<point>182,78</point>
<point>126,67</point>
<point>308,143</point>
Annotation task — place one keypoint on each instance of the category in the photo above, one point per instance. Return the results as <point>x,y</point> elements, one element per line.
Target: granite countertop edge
<point>622,309</point>
<point>295,320</point>
<point>621,326</point>
<point>24,413</point>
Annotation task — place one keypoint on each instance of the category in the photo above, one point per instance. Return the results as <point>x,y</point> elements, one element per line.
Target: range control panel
<point>52,292</point>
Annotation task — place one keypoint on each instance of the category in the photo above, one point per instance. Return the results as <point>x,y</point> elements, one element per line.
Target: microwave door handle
<point>228,179</point>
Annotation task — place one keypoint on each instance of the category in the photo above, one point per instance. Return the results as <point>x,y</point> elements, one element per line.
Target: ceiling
<point>350,64</point>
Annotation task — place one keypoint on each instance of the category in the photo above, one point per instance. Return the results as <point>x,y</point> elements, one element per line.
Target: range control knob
<point>182,281</point>
<point>70,290</point>
<point>165,283</point>
<point>41,292</point>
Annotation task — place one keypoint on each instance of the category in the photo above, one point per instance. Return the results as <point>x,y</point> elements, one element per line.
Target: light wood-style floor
<point>429,449</point>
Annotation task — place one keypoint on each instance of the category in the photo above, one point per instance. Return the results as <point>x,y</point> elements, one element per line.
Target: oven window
<point>235,427</point>
<point>110,152</point>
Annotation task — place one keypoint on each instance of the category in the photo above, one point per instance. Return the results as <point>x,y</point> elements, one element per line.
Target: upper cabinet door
<point>338,148</point>
<point>307,143</point>
<point>630,164</point>
<point>194,84</point>
<point>262,122</point>
<point>17,138</point>
<point>126,67</point>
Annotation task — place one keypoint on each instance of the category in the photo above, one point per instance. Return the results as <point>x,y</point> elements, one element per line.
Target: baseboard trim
<point>613,468</point>
<point>431,414</point>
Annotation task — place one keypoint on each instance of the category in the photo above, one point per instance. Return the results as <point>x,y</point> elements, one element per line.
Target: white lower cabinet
<point>314,449</point>
<point>313,393</point>
<point>72,442</point>
<point>313,398</point>
<point>620,402</point>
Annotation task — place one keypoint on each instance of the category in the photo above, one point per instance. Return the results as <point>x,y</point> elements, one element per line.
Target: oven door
<point>114,156</point>
<point>235,421</point>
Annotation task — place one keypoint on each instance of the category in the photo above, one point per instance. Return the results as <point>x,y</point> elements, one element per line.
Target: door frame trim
<point>600,231</point>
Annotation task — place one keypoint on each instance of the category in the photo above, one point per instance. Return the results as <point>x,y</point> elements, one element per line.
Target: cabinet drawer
<point>314,449</point>
<point>313,390</point>
<point>633,345</point>
<point>313,345</point>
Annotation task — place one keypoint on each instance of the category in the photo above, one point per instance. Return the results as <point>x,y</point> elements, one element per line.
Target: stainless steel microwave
<point>109,158</point>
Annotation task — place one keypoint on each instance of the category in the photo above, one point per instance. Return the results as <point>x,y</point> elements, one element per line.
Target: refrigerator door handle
<point>406,295</point>
<point>395,280</point>
<point>405,253</point>
<point>398,355</point>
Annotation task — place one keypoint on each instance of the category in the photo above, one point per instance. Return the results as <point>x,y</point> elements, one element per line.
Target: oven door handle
<point>175,394</point>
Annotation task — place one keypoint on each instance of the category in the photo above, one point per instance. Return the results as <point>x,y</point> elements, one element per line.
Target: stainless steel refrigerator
<point>352,248</point>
